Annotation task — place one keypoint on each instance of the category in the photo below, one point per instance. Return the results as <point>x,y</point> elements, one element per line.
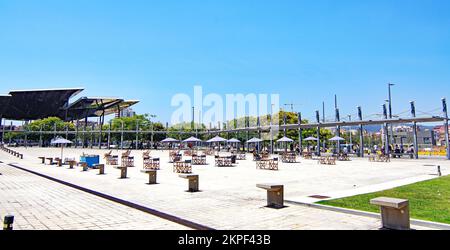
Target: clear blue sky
<point>306,51</point>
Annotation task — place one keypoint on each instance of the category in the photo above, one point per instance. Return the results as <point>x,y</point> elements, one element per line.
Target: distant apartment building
<point>127,112</point>
<point>404,135</point>
<point>439,134</point>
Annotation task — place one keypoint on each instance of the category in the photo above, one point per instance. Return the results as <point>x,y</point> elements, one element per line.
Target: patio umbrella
<point>255,140</point>
<point>62,142</point>
<point>235,141</point>
<point>192,139</point>
<point>311,138</point>
<point>337,139</point>
<point>286,141</point>
<point>217,139</point>
<point>169,140</point>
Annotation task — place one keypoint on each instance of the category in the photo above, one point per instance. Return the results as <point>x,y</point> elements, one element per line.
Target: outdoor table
<point>151,163</point>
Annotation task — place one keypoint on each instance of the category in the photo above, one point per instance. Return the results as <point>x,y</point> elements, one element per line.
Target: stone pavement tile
<point>30,213</point>
<point>232,191</point>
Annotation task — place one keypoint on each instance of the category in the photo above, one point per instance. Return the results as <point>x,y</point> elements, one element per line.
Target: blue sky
<point>306,51</point>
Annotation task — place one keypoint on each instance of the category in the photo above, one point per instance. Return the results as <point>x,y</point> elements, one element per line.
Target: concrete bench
<point>394,213</point>
<point>123,171</point>
<point>42,159</point>
<point>101,168</point>
<point>275,194</point>
<point>151,175</point>
<point>193,181</point>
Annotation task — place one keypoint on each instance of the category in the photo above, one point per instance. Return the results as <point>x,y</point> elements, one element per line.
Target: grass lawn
<point>428,200</point>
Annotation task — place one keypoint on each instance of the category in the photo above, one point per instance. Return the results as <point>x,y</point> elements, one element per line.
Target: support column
<point>84,133</point>
<point>121,136</point>
<point>361,133</point>
<point>444,105</point>
<point>3,132</point>
<point>26,134</point>
<point>259,127</point>
<point>318,132</point>
<point>416,146</point>
<point>338,131</point>
<point>76,133</point>
<point>386,134</point>
<point>1,123</point>
<point>137,134</point>
<point>109,134</point>
<point>10,132</point>
<point>100,136</point>
<point>300,133</point>
<point>40,137</point>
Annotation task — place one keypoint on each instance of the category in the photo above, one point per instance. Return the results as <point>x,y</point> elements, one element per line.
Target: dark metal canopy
<point>4,103</point>
<point>96,107</point>
<point>43,103</point>
<point>90,107</point>
<point>37,104</point>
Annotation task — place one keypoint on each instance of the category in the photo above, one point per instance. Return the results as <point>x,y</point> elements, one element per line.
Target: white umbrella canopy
<point>61,141</point>
<point>254,140</point>
<point>337,138</point>
<point>192,139</point>
<point>169,140</point>
<point>217,139</point>
<point>234,140</point>
<point>285,139</point>
<point>311,138</point>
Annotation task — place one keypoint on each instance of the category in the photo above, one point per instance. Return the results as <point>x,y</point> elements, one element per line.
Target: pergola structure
<point>28,105</point>
<point>359,123</point>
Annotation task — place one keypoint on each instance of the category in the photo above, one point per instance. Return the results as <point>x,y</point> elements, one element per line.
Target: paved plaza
<point>228,199</point>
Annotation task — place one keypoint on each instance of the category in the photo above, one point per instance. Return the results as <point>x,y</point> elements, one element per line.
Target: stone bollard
<point>123,172</point>
<point>151,175</point>
<point>394,213</point>
<point>275,194</point>
<point>193,181</point>
<point>101,168</point>
<point>71,164</point>
<point>8,223</point>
